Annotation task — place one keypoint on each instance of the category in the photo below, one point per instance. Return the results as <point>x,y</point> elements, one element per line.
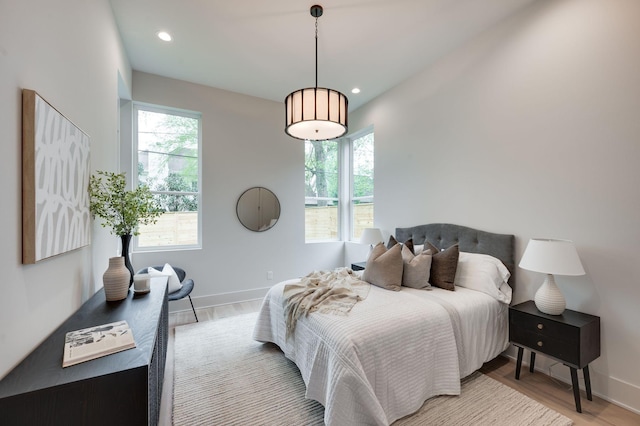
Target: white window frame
<point>137,106</point>
<point>350,210</point>
<point>345,187</point>
<point>339,231</point>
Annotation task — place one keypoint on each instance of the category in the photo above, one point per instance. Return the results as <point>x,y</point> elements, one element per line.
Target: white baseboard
<point>612,389</point>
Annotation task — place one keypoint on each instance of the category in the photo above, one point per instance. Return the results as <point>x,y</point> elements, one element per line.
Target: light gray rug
<point>224,377</point>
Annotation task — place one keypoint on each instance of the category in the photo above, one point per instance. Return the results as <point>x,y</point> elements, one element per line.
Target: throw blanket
<point>323,291</point>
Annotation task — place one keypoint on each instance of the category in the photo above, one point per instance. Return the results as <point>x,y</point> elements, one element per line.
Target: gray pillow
<point>416,269</point>
<point>384,267</point>
<point>443,267</point>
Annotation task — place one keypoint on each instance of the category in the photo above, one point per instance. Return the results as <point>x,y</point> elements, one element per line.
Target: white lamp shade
<point>371,236</point>
<point>558,257</point>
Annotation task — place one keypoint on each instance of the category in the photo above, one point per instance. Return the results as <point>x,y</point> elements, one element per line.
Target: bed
<point>396,349</point>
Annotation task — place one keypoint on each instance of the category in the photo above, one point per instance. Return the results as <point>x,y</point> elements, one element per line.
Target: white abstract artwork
<point>56,171</point>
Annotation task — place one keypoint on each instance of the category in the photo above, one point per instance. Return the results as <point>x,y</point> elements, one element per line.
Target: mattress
<point>393,351</point>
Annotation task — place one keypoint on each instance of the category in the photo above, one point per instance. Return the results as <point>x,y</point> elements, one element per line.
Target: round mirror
<point>258,209</point>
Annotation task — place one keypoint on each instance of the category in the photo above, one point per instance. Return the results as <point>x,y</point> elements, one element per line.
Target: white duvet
<point>393,350</point>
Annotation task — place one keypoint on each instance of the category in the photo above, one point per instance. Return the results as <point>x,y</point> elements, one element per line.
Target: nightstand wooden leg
<point>576,388</point>
<point>587,382</point>
<point>519,362</point>
<point>532,363</point>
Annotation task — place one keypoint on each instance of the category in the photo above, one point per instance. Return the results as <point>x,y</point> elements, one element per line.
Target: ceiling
<point>266,48</point>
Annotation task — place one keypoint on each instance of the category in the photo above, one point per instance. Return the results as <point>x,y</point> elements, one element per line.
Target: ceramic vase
<point>116,280</point>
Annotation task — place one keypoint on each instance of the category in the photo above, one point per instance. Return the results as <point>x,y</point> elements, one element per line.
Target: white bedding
<point>393,350</point>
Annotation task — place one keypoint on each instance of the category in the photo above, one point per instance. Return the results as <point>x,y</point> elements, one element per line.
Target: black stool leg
<point>194,309</point>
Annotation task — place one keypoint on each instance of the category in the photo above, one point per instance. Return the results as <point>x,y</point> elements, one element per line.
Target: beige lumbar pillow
<point>384,267</point>
<point>416,269</point>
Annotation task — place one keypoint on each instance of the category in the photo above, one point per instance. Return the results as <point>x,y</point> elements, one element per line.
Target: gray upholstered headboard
<point>444,235</point>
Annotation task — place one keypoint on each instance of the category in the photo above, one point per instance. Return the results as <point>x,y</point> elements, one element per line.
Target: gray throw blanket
<point>322,291</point>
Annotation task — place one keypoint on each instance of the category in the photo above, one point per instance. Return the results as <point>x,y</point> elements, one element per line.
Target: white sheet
<point>392,352</point>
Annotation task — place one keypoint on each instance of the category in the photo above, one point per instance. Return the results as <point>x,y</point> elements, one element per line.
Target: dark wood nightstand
<point>358,266</point>
<point>572,338</point>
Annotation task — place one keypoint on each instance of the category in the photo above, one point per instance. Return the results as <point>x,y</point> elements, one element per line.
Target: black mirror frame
<point>263,227</point>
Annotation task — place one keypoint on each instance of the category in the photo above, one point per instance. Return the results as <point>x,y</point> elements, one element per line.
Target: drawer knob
<point>540,343</point>
<point>540,326</point>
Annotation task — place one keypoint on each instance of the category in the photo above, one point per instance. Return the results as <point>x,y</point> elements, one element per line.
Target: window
<point>361,184</point>
<point>339,185</point>
<point>322,180</point>
<point>167,155</point>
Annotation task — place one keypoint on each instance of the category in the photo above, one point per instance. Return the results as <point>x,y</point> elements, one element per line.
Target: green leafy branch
<point>121,210</point>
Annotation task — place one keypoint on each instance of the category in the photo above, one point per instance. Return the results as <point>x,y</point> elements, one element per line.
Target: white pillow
<point>484,273</point>
<point>167,271</point>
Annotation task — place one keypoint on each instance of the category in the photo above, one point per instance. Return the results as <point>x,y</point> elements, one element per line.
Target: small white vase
<point>116,280</point>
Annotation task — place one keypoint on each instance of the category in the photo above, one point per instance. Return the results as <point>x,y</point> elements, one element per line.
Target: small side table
<point>572,338</point>
<point>359,266</point>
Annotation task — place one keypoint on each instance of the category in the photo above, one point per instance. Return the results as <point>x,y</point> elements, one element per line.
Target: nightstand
<point>358,266</point>
<point>572,338</point>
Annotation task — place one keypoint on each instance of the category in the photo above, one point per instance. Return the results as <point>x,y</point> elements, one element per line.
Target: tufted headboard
<point>444,235</point>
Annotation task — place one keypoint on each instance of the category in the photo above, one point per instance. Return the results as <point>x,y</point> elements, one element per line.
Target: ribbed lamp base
<point>548,298</point>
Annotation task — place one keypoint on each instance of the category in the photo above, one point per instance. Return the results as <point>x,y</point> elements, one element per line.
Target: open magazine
<point>95,342</point>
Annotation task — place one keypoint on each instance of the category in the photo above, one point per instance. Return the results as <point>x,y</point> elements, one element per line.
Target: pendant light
<point>316,113</point>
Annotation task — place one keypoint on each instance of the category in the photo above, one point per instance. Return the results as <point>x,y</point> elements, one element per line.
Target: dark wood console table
<point>124,388</point>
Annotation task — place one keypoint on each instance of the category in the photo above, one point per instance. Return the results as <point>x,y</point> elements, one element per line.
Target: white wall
<point>69,51</point>
<point>533,129</point>
<point>243,145</point>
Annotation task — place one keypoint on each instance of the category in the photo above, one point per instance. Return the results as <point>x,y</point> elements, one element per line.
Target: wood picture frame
<point>55,181</point>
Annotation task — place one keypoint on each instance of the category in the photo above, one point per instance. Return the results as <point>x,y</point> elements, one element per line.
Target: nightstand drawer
<point>522,321</point>
<point>558,348</point>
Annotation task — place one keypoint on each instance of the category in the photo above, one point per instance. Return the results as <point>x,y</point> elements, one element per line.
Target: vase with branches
<point>121,210</point>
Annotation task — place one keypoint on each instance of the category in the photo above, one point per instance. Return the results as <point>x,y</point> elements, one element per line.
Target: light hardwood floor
<point>553,394</point>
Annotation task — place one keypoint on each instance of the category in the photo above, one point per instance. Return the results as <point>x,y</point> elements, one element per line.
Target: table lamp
<point>371,236</point>
<point>551,257</point>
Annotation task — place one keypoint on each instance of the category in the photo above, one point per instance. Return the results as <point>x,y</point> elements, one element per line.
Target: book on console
<point>95,342</point>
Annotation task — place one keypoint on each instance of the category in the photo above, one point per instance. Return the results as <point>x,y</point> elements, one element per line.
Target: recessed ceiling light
<point>355,90</point>
<point>164,36</point>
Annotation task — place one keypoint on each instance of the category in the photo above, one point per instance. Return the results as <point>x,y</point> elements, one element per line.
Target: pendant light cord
<point>316,52</point>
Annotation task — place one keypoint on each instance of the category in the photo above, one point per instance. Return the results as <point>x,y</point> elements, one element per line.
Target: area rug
<point>223,377</point>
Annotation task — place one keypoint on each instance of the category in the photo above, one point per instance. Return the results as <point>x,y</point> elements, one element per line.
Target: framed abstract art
<point>55,181</point>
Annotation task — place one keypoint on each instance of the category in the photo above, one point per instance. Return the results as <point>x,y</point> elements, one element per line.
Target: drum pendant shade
<point>316,113</point>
